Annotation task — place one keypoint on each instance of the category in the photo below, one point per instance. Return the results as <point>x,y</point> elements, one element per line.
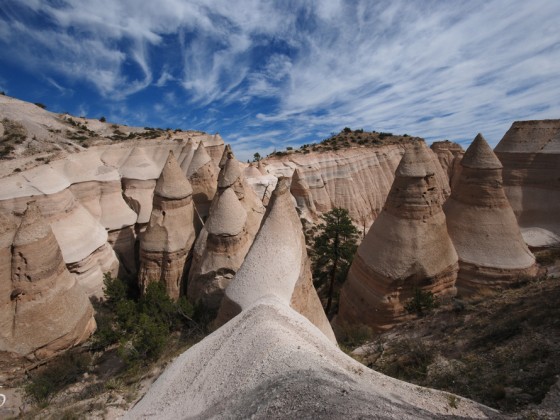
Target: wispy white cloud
<point>284,72</point>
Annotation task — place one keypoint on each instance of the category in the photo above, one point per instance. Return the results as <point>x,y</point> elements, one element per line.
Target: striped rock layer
<point>407,248</point>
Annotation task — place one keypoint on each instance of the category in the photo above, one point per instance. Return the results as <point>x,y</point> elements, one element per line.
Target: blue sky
<point>271,74</point>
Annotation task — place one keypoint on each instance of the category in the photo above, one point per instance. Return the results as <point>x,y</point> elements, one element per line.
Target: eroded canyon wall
<point>530,154</point>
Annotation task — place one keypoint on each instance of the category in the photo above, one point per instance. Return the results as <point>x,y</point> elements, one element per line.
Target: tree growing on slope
<point>333,248</point>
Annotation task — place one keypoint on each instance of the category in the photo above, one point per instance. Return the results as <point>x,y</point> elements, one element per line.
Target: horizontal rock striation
<point>170,234</point>
<point>449,156</point>
<point>94,200</point>
<point>530,154</point>
<point>482,226</point>
<point>47,311</point>
<point>407,248</point>
<point>357,179</point>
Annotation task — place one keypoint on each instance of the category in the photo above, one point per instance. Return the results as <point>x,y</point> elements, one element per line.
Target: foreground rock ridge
<point>407,248</point>
<point>269,361</point>
<point>482,225</point>
<point>170,234</point>
<point>43,309</point>
<point>276,264</point>
<point>530,153</point>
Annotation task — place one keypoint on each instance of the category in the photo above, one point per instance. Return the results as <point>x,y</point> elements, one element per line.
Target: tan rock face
<point>170,233</point>
<point>449,156</point>
<point>482,225</point>
<point>221,247</point>
<point>304,200</point>
<point>407,247</point>
<point>48,310</point>
<point>219,250</point>
<point>357,179</point>
<point>82,239</point>
<point>530,153</point>
<point>203,176</point>
<point>277,265</point>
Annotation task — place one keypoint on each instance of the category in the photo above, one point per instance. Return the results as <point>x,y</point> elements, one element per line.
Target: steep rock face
<point>203,176</point>
<point>530,153</point>
<point>304,200</point>
<point>169,236</point>
<point>80,196</point>
<point>48,310</point>
<point>219,251</point>
<point>357,179</point>
<point>482,225</point>
<point>449,156</point>
<point>82,239</point>
<point>407,247</point>
<point>276,264</point>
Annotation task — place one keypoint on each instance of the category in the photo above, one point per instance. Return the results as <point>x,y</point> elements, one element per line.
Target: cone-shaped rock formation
<point>225,156</point>
<point>170,233</point>
<point>219,250</point>
<point>232,176</point>
<point>235,217</point>
<point>277,264</point>
<point>482,225</point>
<point>186,156</point>
<point>48,311</point>
<point>304,200</point>
<point>202,174</point>
<point>407,248</point>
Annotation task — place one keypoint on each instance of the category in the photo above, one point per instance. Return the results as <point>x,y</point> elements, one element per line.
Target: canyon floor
<point>502,350</point>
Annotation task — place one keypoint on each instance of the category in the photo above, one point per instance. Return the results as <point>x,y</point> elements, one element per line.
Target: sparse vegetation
<point>14,133</point>
<point>142,325</point>
<point>102,119</point>
<point>40,105</point>
<point>501,350</point>
<point>422,302</point>
<point>52,378</point>
<point>348,138</point>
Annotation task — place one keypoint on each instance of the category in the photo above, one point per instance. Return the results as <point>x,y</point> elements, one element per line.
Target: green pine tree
<point>333,249</point>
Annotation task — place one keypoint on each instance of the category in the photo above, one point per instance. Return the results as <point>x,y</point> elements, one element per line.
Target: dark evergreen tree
<point>333,248</point>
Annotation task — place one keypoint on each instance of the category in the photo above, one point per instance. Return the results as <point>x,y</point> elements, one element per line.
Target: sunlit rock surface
<point>407,248</point>
<point>482,225</point>
<point>170,233</point>
<point>43,309</point>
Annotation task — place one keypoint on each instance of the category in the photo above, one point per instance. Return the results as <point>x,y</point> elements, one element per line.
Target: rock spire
<point>407,248</point>
<point>202,174</point>
<point>170,233</point>
<point>277,265</point>
<point>48,310</point>
<point>482,225</point>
